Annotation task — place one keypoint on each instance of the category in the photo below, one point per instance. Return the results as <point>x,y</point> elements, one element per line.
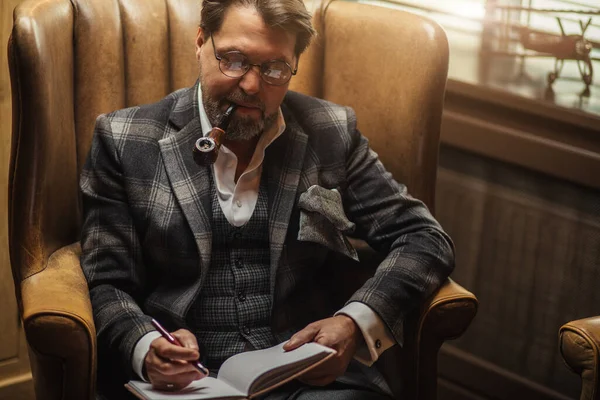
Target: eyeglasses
<point>235,65</point>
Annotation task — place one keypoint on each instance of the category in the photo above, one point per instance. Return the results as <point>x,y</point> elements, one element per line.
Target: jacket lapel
<point>283,163</point>
<point>190,182</point>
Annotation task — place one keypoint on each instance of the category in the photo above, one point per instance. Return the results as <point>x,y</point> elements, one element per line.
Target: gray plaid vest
<point>232,312</point>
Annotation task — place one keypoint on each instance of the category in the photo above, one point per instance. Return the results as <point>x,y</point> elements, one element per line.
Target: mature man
<point>230,256</point>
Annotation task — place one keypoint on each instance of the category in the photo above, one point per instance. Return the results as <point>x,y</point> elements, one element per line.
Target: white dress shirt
<point>237,201</point>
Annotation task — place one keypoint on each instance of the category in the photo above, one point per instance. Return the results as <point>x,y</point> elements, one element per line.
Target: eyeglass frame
<point>220,57</point>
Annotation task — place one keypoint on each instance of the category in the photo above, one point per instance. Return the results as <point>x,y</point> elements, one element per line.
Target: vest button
<point>241,296</point>
<point>236,238</point>
<point>245,330</point>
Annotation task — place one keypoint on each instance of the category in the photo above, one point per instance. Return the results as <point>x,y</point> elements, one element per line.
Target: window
<point>498,25</point>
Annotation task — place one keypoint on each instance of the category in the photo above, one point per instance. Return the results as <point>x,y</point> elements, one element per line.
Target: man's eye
<point>274,73</point>
<point>234,61</point>
<point>235,65</point>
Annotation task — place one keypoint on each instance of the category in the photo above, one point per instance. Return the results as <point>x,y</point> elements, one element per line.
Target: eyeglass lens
<point>234,65</point>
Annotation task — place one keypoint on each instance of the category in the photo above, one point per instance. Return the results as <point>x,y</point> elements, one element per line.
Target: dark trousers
<point>296,390</point>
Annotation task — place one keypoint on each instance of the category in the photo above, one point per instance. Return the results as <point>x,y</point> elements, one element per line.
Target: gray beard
<point>239,128</point>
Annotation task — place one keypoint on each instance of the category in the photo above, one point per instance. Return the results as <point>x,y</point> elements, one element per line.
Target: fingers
<point>340,333</point>
<point>304,336</point>
<point>173,352</point>
<point>186,338</point>
<point>162,372</point>
<point>168,366</point>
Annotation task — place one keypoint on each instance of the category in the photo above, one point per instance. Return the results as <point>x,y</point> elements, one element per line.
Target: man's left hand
<point>339,333</point>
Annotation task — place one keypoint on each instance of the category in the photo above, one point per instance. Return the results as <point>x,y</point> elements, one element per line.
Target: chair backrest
<point>71,60</point>
<point>391,67</point>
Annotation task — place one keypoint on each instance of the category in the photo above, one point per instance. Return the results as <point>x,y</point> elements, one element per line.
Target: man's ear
<point>199,41</point>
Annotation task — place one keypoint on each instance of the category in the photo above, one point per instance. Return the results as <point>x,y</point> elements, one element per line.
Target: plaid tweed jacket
<point>146,237</point>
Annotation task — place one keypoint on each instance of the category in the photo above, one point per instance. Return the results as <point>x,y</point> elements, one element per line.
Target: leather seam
<point>453,298</point>
<point>169,47</point>
<point>16,139</point>
<point>45,266</point>
<point>76,13</point>
<point>124,53</point>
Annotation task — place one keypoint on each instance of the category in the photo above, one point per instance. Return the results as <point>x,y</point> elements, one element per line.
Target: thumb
<point>299,338</point>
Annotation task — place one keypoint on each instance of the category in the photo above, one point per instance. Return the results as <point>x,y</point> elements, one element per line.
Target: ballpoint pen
<point>173,340</point>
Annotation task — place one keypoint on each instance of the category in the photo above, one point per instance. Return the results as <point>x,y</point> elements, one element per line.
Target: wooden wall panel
<point>15,377</point>
<point>528,246</point>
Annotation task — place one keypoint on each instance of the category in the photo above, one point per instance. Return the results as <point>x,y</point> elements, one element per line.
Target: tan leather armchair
<point>71,60</point>
<point>579,343</point>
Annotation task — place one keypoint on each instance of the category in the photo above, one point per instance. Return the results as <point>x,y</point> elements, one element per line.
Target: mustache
<point>241,97</point>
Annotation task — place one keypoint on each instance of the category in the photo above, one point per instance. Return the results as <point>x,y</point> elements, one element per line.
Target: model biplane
<point>563,47</point>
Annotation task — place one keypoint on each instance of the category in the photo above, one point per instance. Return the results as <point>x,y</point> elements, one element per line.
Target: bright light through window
<point>467,9</point>
<point>468,15</point>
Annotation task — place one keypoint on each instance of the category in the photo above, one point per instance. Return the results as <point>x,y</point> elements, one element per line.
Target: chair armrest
<point>59,326</point>
<point>579,343</point>
<point>445,315</point>
<point>449,312</point>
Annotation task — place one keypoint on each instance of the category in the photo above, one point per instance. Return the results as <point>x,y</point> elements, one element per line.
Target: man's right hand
<point>167,365</point>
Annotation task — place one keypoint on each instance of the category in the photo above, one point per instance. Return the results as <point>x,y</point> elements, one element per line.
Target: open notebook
<point>245,375</point>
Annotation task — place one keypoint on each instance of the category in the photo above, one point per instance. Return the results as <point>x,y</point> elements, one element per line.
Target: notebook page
<point>243,369</point>
<point>205,388</point>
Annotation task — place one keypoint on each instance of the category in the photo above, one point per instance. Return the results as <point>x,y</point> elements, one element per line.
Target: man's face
<point>243,30</point>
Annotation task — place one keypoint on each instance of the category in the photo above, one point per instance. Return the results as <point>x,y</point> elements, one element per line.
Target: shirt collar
<point>266,138</point>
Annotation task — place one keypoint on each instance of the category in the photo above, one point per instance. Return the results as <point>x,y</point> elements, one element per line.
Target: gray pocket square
<point>323,220</point>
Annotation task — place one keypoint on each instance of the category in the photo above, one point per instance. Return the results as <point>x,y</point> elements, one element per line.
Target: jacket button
<point>238,263</point>
<point>245,330</point>
<point>378,343</point>
<point>241,296</point>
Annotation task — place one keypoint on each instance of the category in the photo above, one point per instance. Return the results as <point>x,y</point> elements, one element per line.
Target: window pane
<point>473,25</point>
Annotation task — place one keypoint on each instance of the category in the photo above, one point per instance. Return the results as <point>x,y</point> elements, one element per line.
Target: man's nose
<point>251,81</point>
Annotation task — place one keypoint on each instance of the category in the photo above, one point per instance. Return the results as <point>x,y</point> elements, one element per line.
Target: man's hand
<point>341,334</point>
<point>167,365</point>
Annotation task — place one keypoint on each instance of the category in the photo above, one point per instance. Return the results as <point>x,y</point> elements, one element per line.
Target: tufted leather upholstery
<point>71,60</point>
<point>580,348</point>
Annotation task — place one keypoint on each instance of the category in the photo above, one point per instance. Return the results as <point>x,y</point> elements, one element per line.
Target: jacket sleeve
<point>111,254</point>
<point>419,254</point>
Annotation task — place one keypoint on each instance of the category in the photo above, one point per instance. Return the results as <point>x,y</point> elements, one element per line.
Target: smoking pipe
<point>207,147</point>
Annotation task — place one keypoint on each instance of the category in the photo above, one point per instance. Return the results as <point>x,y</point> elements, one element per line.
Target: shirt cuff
<point>139,352</point>
<point>378,337</point>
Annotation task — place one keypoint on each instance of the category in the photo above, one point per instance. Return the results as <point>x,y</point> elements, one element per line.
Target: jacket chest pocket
<point>322,220</point>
